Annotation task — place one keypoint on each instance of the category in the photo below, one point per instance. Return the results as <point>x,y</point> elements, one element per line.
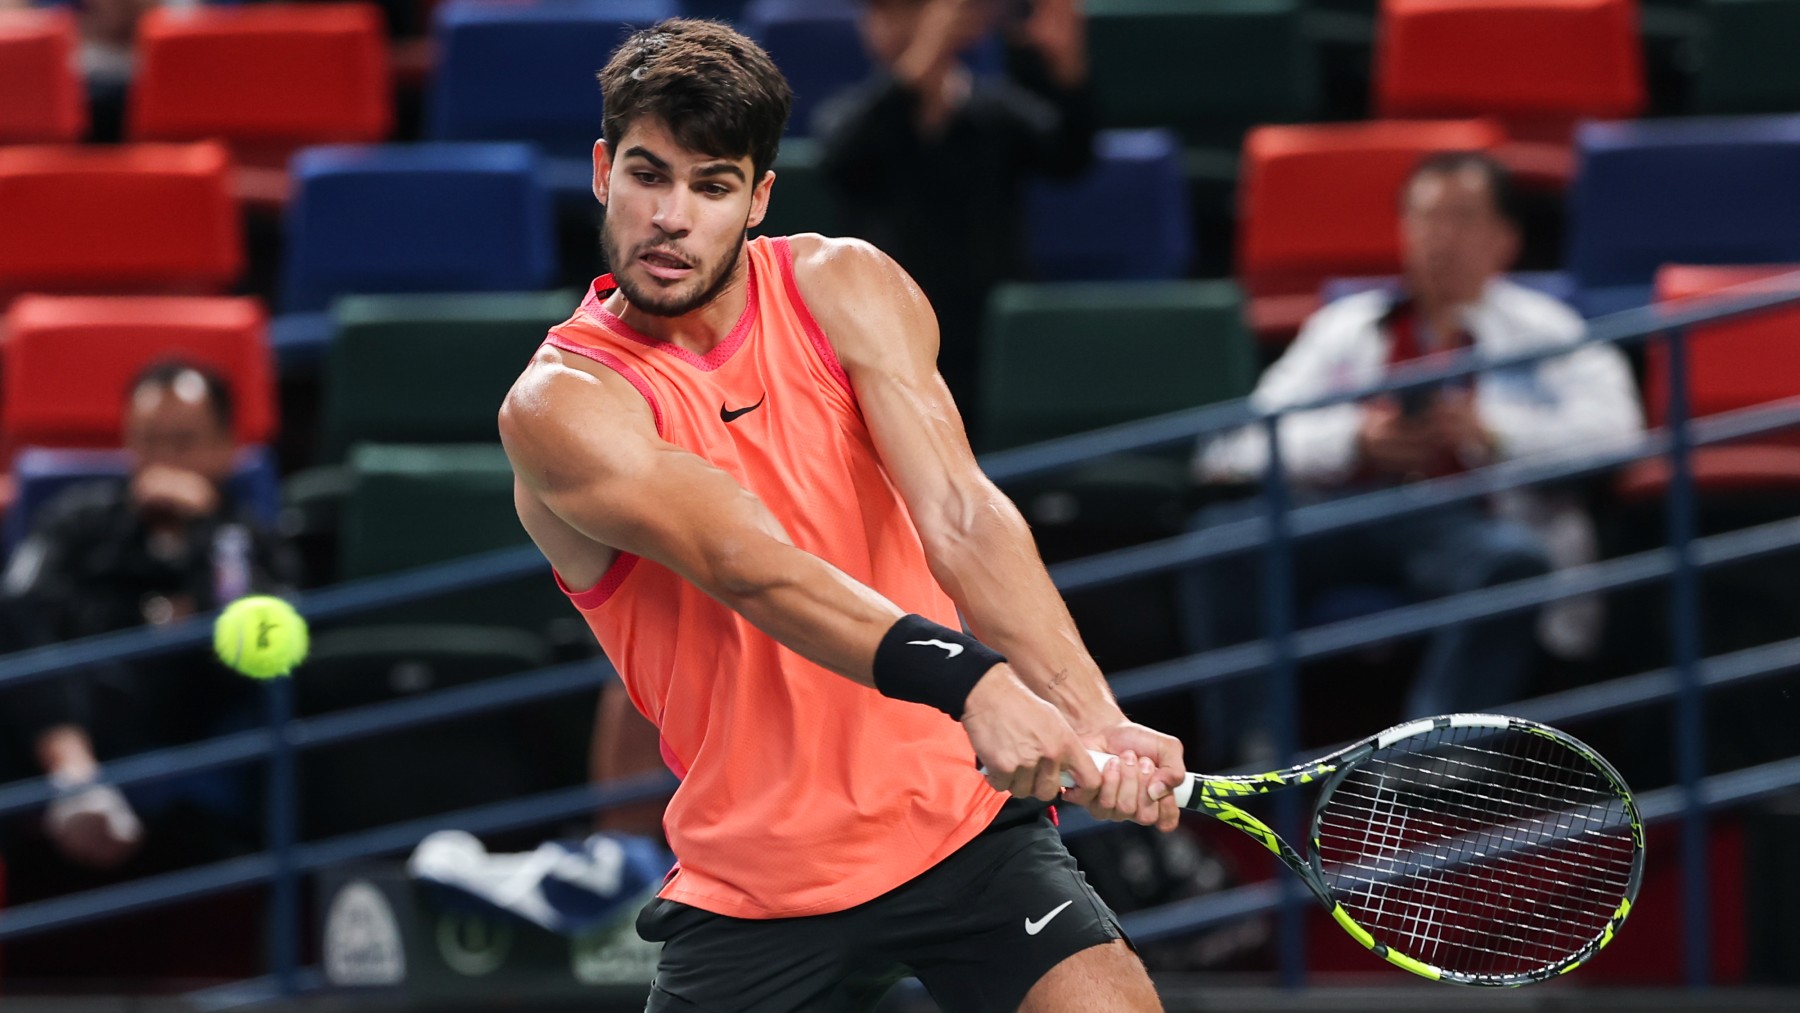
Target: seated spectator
<point>1459,232</point>
<point>927,159</point>
<point>159,545</point>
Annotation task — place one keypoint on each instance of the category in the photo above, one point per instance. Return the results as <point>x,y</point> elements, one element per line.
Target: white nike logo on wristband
<point>950,650</point>
<point>1033,928</point>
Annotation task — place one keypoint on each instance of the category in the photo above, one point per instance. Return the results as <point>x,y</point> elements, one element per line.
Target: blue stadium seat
<point>1126,219</point>
<point>40,473</point>
<point>525,71</point>
<point>817,46</point>
<point>417,218</point>
<point>1703,191</point>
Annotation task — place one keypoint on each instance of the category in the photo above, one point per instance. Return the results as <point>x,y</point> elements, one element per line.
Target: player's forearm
<point>989,564</point>
<point>812,608</point>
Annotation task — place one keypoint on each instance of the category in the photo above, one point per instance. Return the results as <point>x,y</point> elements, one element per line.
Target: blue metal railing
<point>1685,682</point>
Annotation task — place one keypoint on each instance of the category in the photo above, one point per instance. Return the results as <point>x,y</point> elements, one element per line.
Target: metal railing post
<point>1278,612</point>
<point>283,818</point>
<point>1690,712</point>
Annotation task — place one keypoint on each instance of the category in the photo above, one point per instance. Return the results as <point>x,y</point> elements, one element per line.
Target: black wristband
<point>920,661</point>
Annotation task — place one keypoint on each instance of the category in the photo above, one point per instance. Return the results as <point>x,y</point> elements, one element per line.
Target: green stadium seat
<point>1068,358</point>
<point>458,354</point>
<point>1210,69</point>
<point>801,200</point>
<point>414,505</point>
<point>1747,63</point>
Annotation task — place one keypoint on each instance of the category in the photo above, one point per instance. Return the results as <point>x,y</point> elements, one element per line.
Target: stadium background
<point>372,304</point>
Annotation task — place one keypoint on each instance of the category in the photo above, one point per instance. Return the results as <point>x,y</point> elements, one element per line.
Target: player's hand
<point>1023,742</point>
<point>1139,785</point>
<point>94,826</point>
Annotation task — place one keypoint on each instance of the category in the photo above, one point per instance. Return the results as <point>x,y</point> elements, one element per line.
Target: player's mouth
<point>666,266</point>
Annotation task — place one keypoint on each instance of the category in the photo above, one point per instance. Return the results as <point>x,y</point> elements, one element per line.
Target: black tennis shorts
<point>978,929</point>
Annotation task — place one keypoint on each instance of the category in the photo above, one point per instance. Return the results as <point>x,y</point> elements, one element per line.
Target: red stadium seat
<point>1316,202</point>
<point>68,362</point>
<point>1732,364</point>
<point>1538,66</point>
<point>118,220</point>
<point>265,79</point>
<point>43,99</point>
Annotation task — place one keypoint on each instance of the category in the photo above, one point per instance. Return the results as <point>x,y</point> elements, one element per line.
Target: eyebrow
<point>715,169</point>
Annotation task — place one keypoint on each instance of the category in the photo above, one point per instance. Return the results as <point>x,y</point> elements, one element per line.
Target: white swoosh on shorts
<point>1033,928</point>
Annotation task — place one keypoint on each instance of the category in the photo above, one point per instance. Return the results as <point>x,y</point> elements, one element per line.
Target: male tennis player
<point>750,479</point>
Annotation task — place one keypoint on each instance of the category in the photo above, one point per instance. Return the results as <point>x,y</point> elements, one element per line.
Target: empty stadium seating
<point>1748,57</point>
<point>1732,364</point>
<point>1321,201</point>
<point>458,354</point>
<point>527,72</point>
<point>801,200</point>
<point>817,46</point>
<point>1061,359</point>
<point>1126,218</point>
<point>1700,191</point>
<point>132,218</point>
<point>1538,66</point>
<point>420,218</point>
<point>68,362</point>
<point>1208,70</point>
<point>43,96</point>
<point>264,78</point>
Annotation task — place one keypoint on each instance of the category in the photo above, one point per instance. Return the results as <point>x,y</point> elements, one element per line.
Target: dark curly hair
<point>716,90</point>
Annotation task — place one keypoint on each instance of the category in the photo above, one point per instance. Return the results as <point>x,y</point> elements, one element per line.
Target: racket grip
<point>1183,791</point>
<point>1100,760</point>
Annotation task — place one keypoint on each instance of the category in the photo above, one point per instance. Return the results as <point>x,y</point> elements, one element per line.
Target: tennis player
<point>752,483</point>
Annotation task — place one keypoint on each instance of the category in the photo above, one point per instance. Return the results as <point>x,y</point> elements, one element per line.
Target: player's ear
<point>759,199</point>
<point>602,169</point>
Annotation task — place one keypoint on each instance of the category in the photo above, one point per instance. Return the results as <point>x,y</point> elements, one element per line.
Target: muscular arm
<point>584,446</point>
<point>978,544</point>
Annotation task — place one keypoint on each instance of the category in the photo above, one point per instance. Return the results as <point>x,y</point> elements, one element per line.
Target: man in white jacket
<point>1459,234</point>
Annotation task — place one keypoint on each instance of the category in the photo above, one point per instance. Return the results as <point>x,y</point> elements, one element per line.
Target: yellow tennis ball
<point>260,636</point>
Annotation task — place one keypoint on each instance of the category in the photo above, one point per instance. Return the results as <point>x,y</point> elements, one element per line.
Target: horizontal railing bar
<point>388,716</point>
<point>1240,535</point>
<point>1317,642</point>
<point>250,870</point>
<point>1172,428</point>
<point>317,606</point>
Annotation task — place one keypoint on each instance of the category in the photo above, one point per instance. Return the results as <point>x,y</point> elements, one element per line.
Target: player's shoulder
<point>835,261</point>
<point>561,397</point>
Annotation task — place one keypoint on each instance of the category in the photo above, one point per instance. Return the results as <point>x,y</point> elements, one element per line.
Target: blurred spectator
<point>927,159</point>
<point>158,545</point>
<point>1459,232</point>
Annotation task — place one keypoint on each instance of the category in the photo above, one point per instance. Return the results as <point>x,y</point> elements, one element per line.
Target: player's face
<point>675,218</point>
<point>1454,238</point>
<point>175,426</point>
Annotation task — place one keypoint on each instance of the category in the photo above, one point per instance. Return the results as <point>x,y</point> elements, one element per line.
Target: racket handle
<point>1182,792</point>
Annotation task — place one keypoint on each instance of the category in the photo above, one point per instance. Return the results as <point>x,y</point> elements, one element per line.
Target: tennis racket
<point>1470,848</point>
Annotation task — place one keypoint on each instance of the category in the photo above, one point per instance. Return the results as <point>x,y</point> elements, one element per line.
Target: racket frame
<point>1217,795</point>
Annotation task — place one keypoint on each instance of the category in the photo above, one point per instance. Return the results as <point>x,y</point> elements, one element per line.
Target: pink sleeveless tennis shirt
<point>801,791</point>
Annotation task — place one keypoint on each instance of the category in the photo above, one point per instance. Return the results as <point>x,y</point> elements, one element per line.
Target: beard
<point>684,298</point>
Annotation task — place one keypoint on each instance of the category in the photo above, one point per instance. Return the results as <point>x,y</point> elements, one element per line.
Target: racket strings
<point>1482,852</point>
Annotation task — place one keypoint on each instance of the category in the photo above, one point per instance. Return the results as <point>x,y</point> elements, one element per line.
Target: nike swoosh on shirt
<point>731,414</point>
<point>1033,928</point>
